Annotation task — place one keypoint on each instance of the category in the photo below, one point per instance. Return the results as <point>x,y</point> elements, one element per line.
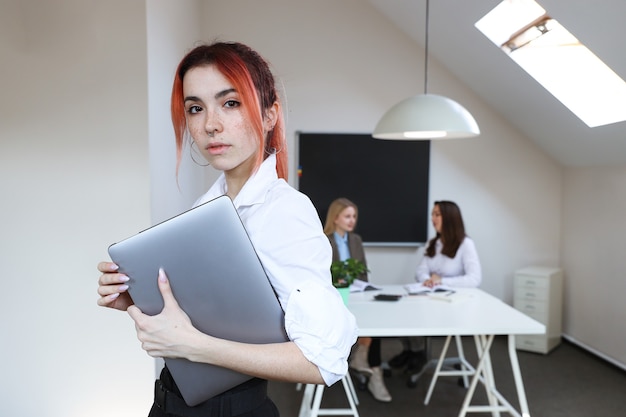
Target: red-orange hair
<point>250,75</point>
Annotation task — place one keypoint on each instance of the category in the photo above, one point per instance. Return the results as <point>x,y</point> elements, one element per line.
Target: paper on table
<point>418,288</point>
<point>360,286</point>
<point>449,296</point>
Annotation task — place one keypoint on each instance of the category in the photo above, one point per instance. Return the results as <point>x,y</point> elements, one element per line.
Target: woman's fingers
<point>112,287</point>
<point>134,312</point>
<point>110,283</point>
<point>111,292</point>
<point>107,300</point>
<point>107,267</point>
<point>109,275</point>
<point>166,290</point>
<point>117,300</point>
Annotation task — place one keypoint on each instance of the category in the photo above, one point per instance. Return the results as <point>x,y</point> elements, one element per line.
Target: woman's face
<point>435,217</point>
<point>345,220</point>
<point>216,121</point>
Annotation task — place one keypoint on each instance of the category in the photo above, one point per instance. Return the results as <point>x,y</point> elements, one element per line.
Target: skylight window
<point>557,60</point>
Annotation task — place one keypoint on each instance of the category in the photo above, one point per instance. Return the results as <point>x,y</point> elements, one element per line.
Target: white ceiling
<point>465,52</point>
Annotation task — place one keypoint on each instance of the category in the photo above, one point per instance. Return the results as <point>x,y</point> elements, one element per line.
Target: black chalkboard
<point>386,179</point>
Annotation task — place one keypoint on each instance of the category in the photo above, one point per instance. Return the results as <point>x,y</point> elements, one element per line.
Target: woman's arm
<point>171,334</point>
<point>469,265</point>
<point>422,273</point>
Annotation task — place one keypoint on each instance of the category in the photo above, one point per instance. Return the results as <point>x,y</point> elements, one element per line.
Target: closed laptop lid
<point>217,279</point>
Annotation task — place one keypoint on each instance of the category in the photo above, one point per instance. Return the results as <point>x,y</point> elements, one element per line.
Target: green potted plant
<point>344,273</point>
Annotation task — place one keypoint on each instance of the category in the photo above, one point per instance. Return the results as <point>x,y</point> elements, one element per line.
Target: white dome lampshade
<point>426,116</point>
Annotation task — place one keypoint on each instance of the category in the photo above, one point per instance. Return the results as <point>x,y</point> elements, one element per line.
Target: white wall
<point>343,66</point>
<point>594,201</point>
<point>74,178</point>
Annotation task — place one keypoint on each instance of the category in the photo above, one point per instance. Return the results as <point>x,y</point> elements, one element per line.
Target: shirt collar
<point>253,191</point>
<point>339,238</point>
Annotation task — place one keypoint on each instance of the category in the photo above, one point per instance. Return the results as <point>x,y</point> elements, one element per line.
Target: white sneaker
<point>358,360</point>
<point>377,387</point>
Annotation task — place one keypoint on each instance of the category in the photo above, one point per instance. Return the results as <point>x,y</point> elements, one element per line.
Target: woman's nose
<point>212,123</point>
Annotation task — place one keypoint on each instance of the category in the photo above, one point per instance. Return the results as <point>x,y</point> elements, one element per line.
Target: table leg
<point>484,374</point>
<point>517,375</point>
<point>461,353</point>
<point>483,353</point>
<point>490,381</point>
<point>435,376</point>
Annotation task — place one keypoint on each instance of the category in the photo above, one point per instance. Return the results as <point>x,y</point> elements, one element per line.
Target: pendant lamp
<point>426,116</point>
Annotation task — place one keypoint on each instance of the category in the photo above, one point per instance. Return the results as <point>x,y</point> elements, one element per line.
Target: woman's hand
<point>112,287</point>
<point>168,334</point>
<point>434,280</point>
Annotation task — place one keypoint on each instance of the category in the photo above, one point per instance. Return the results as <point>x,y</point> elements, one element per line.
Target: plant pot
<point>345,294</point>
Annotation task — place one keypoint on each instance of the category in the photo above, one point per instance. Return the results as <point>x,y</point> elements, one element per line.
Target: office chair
<point>444,366</point>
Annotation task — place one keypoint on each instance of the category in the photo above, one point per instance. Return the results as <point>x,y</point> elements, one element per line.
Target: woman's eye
<point>194,109</point>
<point>231,103</point>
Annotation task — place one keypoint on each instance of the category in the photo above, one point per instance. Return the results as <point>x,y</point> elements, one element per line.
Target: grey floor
<point>567,382</point>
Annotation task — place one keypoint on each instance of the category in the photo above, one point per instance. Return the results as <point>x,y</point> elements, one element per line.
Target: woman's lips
<point>217,148</point>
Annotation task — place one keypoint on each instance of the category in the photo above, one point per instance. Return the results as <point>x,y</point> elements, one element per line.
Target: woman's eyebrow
<point>191,98</point>
<point>225,92</point>
<point>217,96</point>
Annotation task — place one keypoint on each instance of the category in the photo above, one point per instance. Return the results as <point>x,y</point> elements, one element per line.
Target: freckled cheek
<point>243,128</point>
<point>195,131</point>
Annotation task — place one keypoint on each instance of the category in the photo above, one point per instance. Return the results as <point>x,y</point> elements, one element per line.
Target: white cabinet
<point>538,294</point>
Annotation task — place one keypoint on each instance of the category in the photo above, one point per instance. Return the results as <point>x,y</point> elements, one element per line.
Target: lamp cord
<point>426,50</point>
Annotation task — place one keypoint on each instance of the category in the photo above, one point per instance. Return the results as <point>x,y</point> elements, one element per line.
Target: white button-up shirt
<point>287,234</point>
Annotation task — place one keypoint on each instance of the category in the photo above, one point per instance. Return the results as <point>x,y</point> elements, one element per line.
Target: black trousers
<point>246,400</point>
<point>374,355</point>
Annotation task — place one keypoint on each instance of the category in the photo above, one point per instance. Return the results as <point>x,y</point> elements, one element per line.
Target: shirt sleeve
<point>319,323</point>
<point>422,273</point>
<point>297,256</point>
<point>472,274</point>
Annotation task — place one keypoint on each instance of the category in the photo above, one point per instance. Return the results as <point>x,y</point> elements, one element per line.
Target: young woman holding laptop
<point>224,100</point>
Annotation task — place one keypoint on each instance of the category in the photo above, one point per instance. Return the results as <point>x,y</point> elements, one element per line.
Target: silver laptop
<point>216,277</point>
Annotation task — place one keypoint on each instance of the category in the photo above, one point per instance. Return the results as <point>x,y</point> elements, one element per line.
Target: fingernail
<point>114,296</point>
<point>124,278</point>
<point>122,288</point>
<point>162,276</point>
<point>114,267</point>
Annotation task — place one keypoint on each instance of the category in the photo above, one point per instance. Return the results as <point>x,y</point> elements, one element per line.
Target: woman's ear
<point>271,117</point>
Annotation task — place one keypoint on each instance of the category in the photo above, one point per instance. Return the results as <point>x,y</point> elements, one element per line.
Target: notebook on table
<point>217,279</point>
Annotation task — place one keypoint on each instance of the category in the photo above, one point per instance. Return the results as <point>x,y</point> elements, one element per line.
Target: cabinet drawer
<point>531,293</point>
<point>529,306</point>
<point>530,281</point>
<point>537,343</point>
<point>534,343</point>
<point>539,314</point>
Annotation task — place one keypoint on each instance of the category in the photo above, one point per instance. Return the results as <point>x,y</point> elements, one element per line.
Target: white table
<point>468,312</point>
